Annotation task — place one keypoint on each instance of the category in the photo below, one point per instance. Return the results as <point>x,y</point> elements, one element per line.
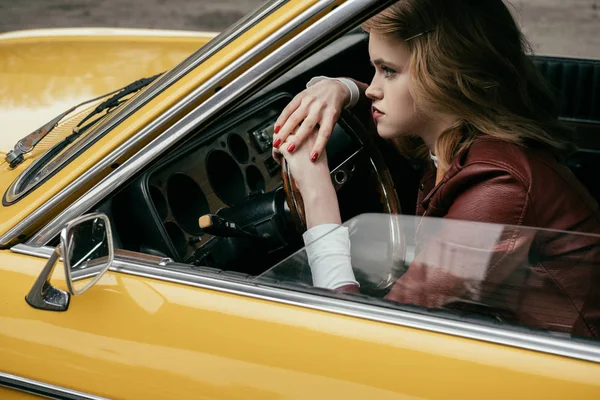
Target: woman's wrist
<point>321,205</point>
<point>351,89</point>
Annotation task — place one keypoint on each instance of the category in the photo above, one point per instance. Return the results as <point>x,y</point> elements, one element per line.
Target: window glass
<point>526,277</point>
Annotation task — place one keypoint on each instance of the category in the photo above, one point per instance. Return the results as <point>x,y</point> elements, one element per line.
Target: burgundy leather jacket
<point>541,279</point>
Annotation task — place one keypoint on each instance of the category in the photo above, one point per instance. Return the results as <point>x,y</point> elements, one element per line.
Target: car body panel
<point>10,215</point>
<point>12,394</point>
<point>224,345</point>
<point>45,72</point>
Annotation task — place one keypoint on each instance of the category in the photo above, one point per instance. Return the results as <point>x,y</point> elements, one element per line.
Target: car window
<point>524,277</point>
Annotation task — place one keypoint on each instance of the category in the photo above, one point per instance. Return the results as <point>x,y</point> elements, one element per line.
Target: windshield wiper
<point>28,143</point>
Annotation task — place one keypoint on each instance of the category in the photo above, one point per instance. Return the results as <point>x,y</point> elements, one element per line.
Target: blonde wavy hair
<point>469,59</point>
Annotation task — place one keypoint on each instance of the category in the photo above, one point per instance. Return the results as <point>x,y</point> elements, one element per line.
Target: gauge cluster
<point>221,168</point>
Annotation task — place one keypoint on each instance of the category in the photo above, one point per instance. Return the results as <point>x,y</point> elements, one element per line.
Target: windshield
<point>520,276</point>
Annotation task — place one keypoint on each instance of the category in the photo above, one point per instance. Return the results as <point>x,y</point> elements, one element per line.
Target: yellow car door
<point>154,329</point>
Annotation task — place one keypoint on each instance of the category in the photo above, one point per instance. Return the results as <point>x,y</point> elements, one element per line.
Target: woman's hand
<point>314,183</point>
<point>315,109</point>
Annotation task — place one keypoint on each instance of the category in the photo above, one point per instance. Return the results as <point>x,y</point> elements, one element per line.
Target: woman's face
<point>393,106</point>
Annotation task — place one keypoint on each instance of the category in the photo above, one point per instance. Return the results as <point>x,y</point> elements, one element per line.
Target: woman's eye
<point>388,72</point>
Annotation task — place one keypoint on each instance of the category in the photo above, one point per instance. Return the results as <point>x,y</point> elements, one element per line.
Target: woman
<point>454,88</point>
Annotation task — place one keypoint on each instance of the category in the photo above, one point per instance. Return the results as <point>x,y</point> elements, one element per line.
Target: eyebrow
<point>380,61</point>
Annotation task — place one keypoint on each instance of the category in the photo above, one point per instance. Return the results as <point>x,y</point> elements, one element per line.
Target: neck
<point>434,129</point>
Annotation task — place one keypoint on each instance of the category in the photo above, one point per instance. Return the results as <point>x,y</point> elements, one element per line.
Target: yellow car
<point>151,248</point>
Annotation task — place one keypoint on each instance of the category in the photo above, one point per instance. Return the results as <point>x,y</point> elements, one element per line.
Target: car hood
<point>45,72</point>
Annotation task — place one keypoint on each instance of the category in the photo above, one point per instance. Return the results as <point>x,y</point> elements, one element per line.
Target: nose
<point>374,91</point>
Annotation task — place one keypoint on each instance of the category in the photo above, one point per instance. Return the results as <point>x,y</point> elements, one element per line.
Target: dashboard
<point>214,173</point>
<point>227,170</point>
<point>233,168</point>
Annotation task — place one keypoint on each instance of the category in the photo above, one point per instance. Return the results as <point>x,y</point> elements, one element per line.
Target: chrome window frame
<point>153,267</point>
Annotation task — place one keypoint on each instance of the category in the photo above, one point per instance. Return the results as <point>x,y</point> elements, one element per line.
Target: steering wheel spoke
<point>343,173</point>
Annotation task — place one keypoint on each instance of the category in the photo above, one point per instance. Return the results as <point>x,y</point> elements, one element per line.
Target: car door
<point>151,329</point>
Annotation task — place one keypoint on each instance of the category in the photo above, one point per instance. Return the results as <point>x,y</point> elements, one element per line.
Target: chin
<point>387,133</point>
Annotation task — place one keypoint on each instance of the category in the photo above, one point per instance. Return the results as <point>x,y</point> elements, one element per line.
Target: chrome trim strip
<point>40,252</point>
<point>125,262</point>
<point>137,102</point>
<point>243,85</point>
<point>46,252</point>
<point>43,389</point>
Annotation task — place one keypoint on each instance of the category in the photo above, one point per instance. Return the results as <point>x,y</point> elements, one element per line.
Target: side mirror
<point>86,247</point>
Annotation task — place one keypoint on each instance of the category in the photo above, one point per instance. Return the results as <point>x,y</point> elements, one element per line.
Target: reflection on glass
<point>88,251</point>
<point>513,275</point>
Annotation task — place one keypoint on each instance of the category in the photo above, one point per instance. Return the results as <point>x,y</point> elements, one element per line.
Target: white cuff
<point>349,83</point>
<point>329,257</point>
<point>434,159</point>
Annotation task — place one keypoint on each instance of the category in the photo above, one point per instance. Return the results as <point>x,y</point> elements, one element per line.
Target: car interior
<point>226,171</point>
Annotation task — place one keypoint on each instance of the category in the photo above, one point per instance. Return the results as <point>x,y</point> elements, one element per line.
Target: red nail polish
<point>314,156</point>
<point>277,143</point>
<point>291,148</point>
<point>277,128</point>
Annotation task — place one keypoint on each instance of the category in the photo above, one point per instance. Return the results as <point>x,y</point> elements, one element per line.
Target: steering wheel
<point>361,154</point>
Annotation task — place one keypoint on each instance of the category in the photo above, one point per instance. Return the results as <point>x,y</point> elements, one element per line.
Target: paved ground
<point>557,27</point>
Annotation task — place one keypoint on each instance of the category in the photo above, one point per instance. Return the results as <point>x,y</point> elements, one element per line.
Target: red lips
<point>377,113</point>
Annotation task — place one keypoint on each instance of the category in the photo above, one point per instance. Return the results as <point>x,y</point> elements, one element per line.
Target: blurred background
<point>554,27</point>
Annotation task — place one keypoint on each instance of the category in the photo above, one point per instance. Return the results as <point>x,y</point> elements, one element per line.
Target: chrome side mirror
<point>86,246</point>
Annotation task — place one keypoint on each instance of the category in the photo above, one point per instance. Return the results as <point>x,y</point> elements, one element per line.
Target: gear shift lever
<point>219,226</point>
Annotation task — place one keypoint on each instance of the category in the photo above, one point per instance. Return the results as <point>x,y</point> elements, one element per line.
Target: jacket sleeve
<point>469,261</point>
<point>486,193</point>
<point>466,261</point>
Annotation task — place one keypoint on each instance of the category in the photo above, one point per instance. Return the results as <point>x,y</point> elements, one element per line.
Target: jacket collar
<point>455,168</point>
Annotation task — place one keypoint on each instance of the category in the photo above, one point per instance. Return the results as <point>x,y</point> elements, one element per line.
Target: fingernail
<point>277,143</point>
<point>277,128</point>
<point>291,148</point>
<point>314,156</point>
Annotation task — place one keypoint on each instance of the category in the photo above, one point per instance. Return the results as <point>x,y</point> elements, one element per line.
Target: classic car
<point>151,247</point>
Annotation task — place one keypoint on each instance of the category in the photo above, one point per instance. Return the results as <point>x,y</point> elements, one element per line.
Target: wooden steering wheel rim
<point>380,174</point>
